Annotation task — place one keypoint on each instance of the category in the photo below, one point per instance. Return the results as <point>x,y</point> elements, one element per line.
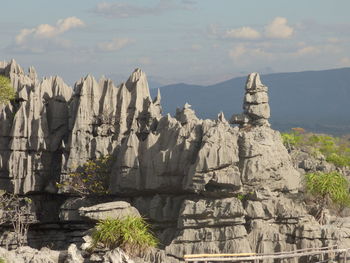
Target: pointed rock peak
<point>122,85</point>
<point>13,67</point>
<point>167,116</point>
<point>103,79</point>
<point>157,99</point>
<point>186,114</point>
<point>85,84</point>
<point>187,106</point>
<point>253,81</point>
<point>89,77</point>
<point>221,117</point>
<point>57,81</point>
<point>167,121</point>
<point>32,73</point>
<point>137,75</point>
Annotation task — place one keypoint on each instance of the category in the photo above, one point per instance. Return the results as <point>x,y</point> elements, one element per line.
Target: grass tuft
<point>131,234</point>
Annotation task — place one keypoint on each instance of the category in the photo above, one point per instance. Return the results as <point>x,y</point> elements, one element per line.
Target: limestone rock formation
<point>113,210</point>
<point>204,185</point>
<point>256,107</point>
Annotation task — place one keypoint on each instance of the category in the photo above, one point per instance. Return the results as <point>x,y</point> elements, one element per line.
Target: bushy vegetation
<point>327,189</point>
<point>16,210</point>
<point>91,178</point>
<point>334,149</point>
<point>338,160</point>
<point>2,260</point>
<point>291,139</point>
<point>7,92</point>
<point>131,234</point>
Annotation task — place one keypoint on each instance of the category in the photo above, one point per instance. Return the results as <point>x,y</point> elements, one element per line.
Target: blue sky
<point>192,41</point>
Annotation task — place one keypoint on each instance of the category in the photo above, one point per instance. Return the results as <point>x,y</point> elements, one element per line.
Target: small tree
<point>91,178</point>
<point>327,189</point>
<point>17,211</point>
<point>132,234</point>
<point>6,90</point>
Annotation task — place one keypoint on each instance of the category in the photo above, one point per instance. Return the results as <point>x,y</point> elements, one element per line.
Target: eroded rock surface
<point>204,185</point>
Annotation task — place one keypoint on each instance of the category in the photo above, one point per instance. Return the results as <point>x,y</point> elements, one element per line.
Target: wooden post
<point>345,256</point>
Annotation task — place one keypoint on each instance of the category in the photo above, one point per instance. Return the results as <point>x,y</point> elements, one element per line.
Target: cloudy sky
<point>192,41</point>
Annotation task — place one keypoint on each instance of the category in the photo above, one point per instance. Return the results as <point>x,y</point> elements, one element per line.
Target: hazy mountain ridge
<point>316,100</point>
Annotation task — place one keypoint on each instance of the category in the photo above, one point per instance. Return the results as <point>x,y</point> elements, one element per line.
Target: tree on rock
<point>7,92</point>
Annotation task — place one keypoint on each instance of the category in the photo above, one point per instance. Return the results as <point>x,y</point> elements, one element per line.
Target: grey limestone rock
<point>265,160</point>
<point>211,212</point>
<point>256,107</point>
<point>113,210</point>
<point>183,173</point>
<point>186,114</point>
<point>32,132</point>
<point>69,210</point>
<point>30,255</point>
<point>74,255</point>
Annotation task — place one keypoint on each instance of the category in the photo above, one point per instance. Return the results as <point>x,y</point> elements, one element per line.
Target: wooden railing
<point>331,252</point>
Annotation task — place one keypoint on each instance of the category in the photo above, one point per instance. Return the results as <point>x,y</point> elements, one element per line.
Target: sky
<point>192,41</point>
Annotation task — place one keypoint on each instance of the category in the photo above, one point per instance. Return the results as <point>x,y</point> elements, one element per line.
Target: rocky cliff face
<point>51,130</point>
<point>205,185</point>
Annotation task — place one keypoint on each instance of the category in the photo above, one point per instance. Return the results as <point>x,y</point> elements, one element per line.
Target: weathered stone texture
<point>204,185</point>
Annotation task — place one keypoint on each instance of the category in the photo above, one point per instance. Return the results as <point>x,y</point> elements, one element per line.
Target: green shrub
<point>327,189</point>
<point>241,197</point>
<point>91,178</point>
<point>291,139</point>
<point>335,150</point>
<point>131,234</point>
<point>338,160</point>
<point>332,186</point>
<point>2,260</point>
<point>6,90</point>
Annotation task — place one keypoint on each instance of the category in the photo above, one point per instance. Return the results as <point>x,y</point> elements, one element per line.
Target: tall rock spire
<point>256,109</point>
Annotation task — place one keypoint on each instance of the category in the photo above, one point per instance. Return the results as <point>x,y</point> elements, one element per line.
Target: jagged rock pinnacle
<point>256,109</point>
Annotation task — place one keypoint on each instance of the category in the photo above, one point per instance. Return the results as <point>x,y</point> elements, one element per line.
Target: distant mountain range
<point>316,100</point>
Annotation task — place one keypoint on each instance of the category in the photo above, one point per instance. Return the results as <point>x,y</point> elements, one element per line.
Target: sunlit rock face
<point>52,129</point>
<point>206,185</point>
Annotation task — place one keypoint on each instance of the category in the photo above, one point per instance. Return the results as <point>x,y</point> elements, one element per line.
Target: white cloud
<point>241,50</point>
<point>48,31</point>
<point>20,38</point>
<point>114,45</point>
<point>243,33</point>
<point>279,28</point>
<point>237,51</point>
<point>69,23</point>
